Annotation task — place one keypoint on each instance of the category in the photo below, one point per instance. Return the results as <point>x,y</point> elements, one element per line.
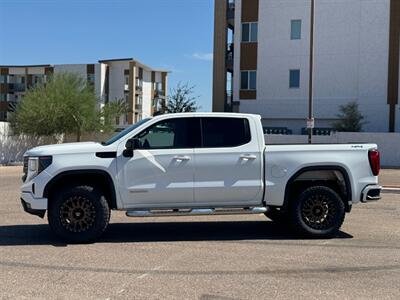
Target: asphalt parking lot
<point>228,257</point>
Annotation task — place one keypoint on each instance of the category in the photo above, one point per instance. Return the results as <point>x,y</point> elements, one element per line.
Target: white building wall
<point>71,68</point>
<point>16,71</point>
<point>36,70</point>
<point>117,80</point>
<point>351,59</point>
<point>99,70</point>
<point>146,97</point>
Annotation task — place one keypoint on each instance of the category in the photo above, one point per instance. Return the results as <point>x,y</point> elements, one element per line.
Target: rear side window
<point>225,132</point>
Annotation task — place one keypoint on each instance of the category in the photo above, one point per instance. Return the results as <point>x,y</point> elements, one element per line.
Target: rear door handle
<point>181,158</point>
<point>248,156</point>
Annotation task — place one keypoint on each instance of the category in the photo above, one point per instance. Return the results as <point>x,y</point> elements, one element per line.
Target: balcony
<point>158,106</point>
<point>12,106</point>
<point>230,14</point>
<point>139,86</point>
<point>16,87</point>
<point>229,57</point>
<point>11,98</point>
<point>158,93</point>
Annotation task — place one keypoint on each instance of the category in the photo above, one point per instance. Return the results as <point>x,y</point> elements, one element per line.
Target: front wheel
<point>318,212</point>
<point>78,214</point>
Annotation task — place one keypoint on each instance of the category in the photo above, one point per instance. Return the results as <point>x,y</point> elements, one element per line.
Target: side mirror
<point>131,145</point>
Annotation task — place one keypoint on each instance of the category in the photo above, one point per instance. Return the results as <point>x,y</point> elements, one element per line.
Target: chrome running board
<point>196,212</point>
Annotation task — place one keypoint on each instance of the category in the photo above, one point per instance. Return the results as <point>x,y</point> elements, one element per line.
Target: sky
<point>176,35</point>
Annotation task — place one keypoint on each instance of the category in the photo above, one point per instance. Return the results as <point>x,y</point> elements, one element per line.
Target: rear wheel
<point>318,212</point>
<point>78,214</point>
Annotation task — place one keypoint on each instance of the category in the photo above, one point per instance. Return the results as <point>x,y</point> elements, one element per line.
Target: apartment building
<point>261,61</point>
<point>143,88</point>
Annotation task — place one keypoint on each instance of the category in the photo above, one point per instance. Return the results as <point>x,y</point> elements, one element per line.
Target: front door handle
<point>248,156</point>
<point>180,158</point>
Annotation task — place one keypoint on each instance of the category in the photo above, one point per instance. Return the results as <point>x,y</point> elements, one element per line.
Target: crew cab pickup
<point>197,164</point>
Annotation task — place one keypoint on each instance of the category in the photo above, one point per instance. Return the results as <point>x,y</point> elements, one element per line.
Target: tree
<point>110,112</point>
<point>181,99</point>
<point>350,118</point>
<point>65,104</point>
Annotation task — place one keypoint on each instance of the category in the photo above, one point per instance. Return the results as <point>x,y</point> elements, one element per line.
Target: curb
<point>391,190</point>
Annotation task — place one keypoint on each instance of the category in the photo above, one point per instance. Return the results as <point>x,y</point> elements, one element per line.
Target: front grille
<point>25,168</point>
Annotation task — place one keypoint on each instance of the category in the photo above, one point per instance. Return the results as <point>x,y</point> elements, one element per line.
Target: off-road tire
<point>78,214</point>
<point>318,212</point>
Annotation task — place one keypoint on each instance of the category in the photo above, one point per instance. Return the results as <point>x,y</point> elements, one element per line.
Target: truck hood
<point>86,147</point>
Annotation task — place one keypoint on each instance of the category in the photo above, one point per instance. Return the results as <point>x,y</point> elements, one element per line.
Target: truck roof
<point>209,114</point>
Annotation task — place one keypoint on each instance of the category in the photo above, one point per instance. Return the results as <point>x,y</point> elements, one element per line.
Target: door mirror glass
<point>132,144</point>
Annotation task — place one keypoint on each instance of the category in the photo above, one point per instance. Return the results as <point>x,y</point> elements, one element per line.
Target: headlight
<point>33,164</point>
<point>37,164</point>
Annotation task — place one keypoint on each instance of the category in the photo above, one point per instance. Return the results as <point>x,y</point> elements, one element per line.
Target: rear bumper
<point>34,206</point>
<point>371,193</point>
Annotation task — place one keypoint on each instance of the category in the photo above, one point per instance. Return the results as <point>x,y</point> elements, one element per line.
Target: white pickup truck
<point>197,164</point>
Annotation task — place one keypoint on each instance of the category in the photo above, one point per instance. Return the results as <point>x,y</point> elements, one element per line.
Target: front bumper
<point>32,205</point>
<point>371,193</point>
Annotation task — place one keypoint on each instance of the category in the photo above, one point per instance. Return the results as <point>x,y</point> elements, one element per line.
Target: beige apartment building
<point>261,61</point>
<point>143,88</point>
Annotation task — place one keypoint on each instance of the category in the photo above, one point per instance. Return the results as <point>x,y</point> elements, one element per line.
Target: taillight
<point>374,161</point>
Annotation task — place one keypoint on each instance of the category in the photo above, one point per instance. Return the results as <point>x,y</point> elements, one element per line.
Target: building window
<point>126,79</point>
<point>3,97</point>
<point>90,78</point>
<point>3,78</point>
<point>248,80</point>
<point>295,30</point>
<point>3,116</point>
<point>249,32</point>
<point>294,79</point>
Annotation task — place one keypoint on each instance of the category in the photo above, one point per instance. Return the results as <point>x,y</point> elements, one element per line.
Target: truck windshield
<point>125,132</point>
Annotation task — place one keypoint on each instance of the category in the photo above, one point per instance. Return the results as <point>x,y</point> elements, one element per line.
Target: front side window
<point>178,133</point>
<point>225,132</point>
<point>294,78</point>
<point>249,32</point>
<point>248,80</point>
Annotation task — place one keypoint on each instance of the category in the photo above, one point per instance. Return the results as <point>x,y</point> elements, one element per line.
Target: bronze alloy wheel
<point>318,211</point>
<point>77,214</point>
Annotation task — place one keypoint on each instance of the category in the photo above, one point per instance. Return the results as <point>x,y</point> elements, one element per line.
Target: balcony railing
<point>159,104</point>
<point>229,57</point>
<point>159,93</point>
<point>16,87</point>
<point>230,13</point>
<point>139,88</point>
<point>12,106</point>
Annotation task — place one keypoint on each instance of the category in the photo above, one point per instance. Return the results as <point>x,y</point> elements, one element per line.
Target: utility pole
<point>310,120</point>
